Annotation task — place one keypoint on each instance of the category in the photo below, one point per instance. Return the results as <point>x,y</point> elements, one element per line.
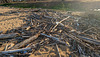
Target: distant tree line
<point>7,1</point>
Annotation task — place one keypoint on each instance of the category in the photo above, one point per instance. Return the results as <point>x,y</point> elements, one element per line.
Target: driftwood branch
<point>25,42</point>
<point>79,41</point>
<point>59,23</point>
<point>93,41</point>
<point>55,39</point>
<point>5,36</point>
<point>58,50</point>
<point>13,51</point>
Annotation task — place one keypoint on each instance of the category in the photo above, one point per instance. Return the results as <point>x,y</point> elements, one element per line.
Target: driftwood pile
<point>51,28</point>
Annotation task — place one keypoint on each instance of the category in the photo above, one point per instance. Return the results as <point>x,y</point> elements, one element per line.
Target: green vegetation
<point>49,5</point>
<point>6,4</point>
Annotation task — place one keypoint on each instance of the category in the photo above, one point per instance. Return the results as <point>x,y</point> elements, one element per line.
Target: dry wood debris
<point>48,28</point>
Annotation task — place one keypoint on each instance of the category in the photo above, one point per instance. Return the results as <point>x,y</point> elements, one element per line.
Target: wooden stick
<point>25,42</point>
<point>87,30</point>
<point>31,22</point>
<point>80,50</point>
<point>6,47</point>
<point>13,51</point>
<point>25,36</point>
<point>58,50</point>
<point>93,41</point>
<point>79,41</point>
<point>5,36</point>
<point>55,39</point>
<point>60,22</point>
<point>35,10</point>
<point>28,28</point>
<point>48,17</point>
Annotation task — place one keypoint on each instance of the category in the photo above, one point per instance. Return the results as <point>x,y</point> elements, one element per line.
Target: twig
<point>58,50</point>
<point>31,22</point>
<point>87,30</point>
<point>48,17</point>
<point>11,45</point>
<point>28,28</point>
<point>36,10</point>
<point>25,36</point>
<point>80,50</point>
<point>6,47</point>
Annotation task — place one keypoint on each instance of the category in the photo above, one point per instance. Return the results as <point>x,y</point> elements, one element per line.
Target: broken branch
<point>5,36</point>
<point>13,51</point>
<point>55,39</point>
<point>25,42</point>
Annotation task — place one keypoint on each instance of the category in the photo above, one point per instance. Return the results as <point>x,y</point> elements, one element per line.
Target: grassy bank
<point>72,6</point>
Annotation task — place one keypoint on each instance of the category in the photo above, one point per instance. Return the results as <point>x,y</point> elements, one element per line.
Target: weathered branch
<point>59,23</point>
<point>5,36</point>
<point>25,42</point>
<point>55,39</point>
<point>13,51</point>
<point>93,41</point>
<point>58,51</point>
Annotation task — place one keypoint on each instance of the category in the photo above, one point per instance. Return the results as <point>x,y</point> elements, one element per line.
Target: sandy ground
<point>10,19</point>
